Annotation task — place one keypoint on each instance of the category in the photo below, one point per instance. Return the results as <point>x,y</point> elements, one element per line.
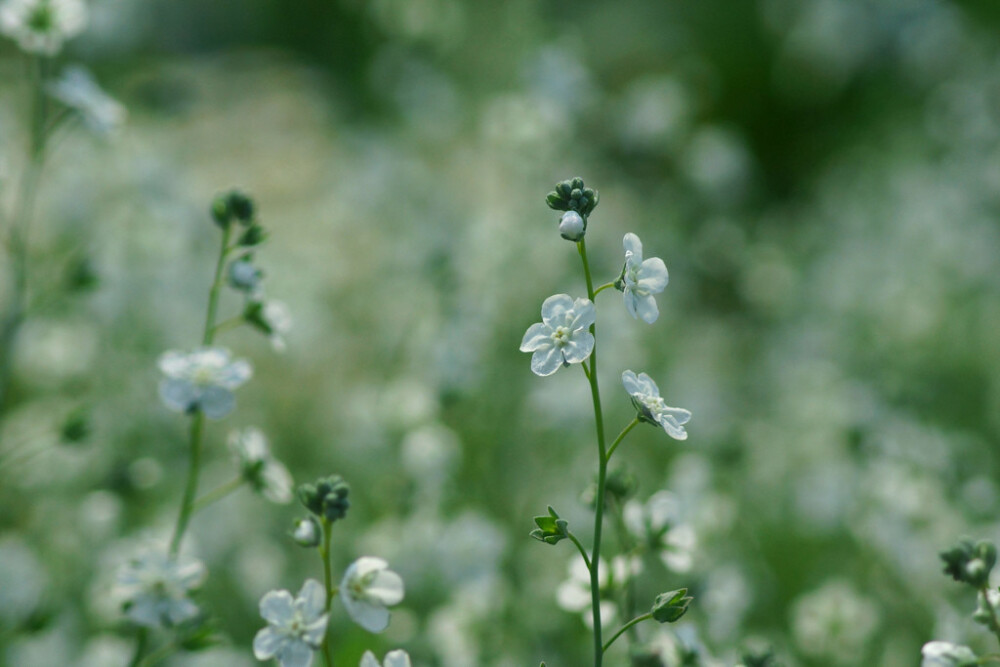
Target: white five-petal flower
<point>41,26</point>
<point>202,380</point>
<point>563,336</point>
<point>77,89</point>
<point>397,658</point>
<point>296,627</point>
<point>640,280</point>
<point>946,654</point>
<point>262,471</point>
<point>155,587</point>
<point>368,587</point>
<point>646,399</point>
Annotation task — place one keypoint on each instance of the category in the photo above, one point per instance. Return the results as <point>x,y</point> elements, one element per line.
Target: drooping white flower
<point>946,654</point>
<point>296,626</point>
<point>262,471</point>
<point>368,587</point>
<point>41,26</point>
<point>202,380</point>
<point>562,337</point>
<point>397,658</point>
<point>155,587</point>
<point>77,89</point>
<point>640,280</point>
<point>646,399</point>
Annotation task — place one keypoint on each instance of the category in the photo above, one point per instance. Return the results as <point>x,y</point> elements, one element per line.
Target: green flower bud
<point>254,235</point>
<point>241,206</point>
<point>327,498</point>
<point>76,427</point>
<point>221,212</point>
<point>669,607</point>
<point>551,529</point>
<point>571,195</point>
<point>970,562</point>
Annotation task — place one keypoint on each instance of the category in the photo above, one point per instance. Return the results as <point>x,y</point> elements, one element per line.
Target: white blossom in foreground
<point>562,337</point>
<point>202,380</point>
<point>397,658</point>
<point>296,626</point>
<point>646,399</point>
<point>41,26</point>
<point>640,280</point>
<point>368,587</point>
<point>264,473</point>
<point>155,587</point>
<point>77,89</point>
<point>946,654</point>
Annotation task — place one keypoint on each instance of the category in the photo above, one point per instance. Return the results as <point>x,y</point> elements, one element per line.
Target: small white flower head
<point>397,658</point>
<point>572,226</point>
<point>368,587</point>
<point>640,280</point>
<point>946,654</point>
<point>155,587</point>
<point>41,26</point>
<point>562,337</point>
<point>657,523</point>
<point>645,397</point>
<point>265,474</point>
<point>296,626</point>
<point>202,380</point>
<point>77,89</point>
<point>306,532</point>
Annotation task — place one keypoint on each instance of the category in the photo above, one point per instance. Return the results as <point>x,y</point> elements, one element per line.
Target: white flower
<point>262,471</point>
<point>368,587</point>
<point>78,90</point>
<point>640,280</point>
<point>562,337</point>
<point>646,399</point>
<point>397,658</point>
<point>279,322</point>
<point>296,627</point>
<point>202,380</point>
<point>946,654</point>
<point>657,523</point>
<point>574,594</point>
<point>571,226</point>
<point>155,587</point>
<point>41,26</point>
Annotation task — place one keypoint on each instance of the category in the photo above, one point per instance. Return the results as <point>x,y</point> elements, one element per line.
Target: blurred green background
<point>821,178</point>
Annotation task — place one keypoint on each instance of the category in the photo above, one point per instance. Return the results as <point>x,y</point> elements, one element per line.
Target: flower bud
<point>221,212</point>
<point>572,226</point>
<point>241,207</point>
<point>327,498</point>
<point>306,532</point>
<point>243,275</point>
<point>571,195</point>
<point>669,607</point>
<point>551,529</point>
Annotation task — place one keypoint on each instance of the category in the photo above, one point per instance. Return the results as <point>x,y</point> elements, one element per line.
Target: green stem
<point>324,553</point>
<point>226,325</point>
<point>583,552</point>
<point>216,494</point>
<point>621,631</point>
<point>994,623</point>
<point>213,295</point>
<point>602,472</point>
<point>621,436</point>
<point>603,287</point>
<point>158,655</point>
<point>628,548</point>
<point>141,638</point>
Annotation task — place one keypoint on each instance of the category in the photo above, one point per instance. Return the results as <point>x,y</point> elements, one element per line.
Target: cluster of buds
<point>577,202</point>
<point>327,498</point>
<point>237,206</point>
<point>970,562</point>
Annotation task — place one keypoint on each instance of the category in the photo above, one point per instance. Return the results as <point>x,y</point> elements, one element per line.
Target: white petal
<point>673,429</point>
<point>295,654</point>
<point>630,303</point>
<point>585,312</point>
<point>191,574</point>
<point>267,643</point>
<point>630,382</point>
<point>311,599</point>
<point>277,482</point>
<point>647,386</point>
<point>217,402</point>
<point>645,307</point>
<point>653,276</point>
<point>386,588</point>
<point>536,336</point>
<point>181,610</point>
<point>572,597</point>
<point>397,658</point>
<point>315,632</point>
<point>679,415</point>
<point>633,246</point>
<point>371,617</point>
<point>546,362</point>
<point>235,374</point>
<point>369,660</point>
<point>276,607</point>
<point>363,566</point>
<point>173,363</point>
<point>579,348</point>
<point>555,307</point>
<point>178,394</point>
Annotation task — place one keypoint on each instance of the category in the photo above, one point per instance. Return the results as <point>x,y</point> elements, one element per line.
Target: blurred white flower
<point>946,654</point>
<point>278,318</point>
<point>574,593</point>
<point>834,623</point>
<point>202,380</point>
<point>368,587</point>
<point>155,587</point>
<point>397,658</point>
<point>657,523</point>
<point>652,409</point>
<point>77,89</point>
<point>264,473</point>
<point>296,627</point>
<point>640,280</point>
<point>306,532</point>
<point>22,580</point>
<point>41,26</point>
<point>561,338</point>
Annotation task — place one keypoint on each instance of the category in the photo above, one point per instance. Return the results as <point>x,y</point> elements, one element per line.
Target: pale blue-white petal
<point>536,336</point>
<point>555,307</point>
<point>546,362</point>
<point>233,375</point>
<point>646,385</point>
<point>295,654</point>
<point>316,631</point>
<point>266,643</point>
<point>311,599</point>
<point>673,429</point>
<point>278,482</point>
<point>645,307</point>
<point>178,394</point>
<point>653,275</point>
<point>191,574</point>
<point>630,299</point>
<point>145,611</point>
<point>633,247</point>
<point>579,348</point>
<point>630,382</point>
<point>386,588</point>
<point>585,314</point>
<point>680,415</point>
<point>173,363</point>
<point>181,610</point>
<point>217,402</point>
<point>371,617</point>
<point>369,660</point>
<point>276,607</point>
<point>397,658</point>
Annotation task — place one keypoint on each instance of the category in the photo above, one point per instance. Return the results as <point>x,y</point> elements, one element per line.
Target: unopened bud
<point>572,227</point>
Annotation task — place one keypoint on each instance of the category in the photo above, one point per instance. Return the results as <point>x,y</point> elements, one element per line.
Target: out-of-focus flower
<point>202,380</point>
<point>368,587</point>
<point>561,338</point>
<point>77,89</point>
<point>397,658</point>
<point>657,524</point>
<point>946,654</point>
<point>41,26</point>
<point>262,471</point>
<point>307,532</point>
<point>242,275</point>
<point>272,318</point>
<point>834,623</point>
<point>652,409</point>
<point>296,626</point>
<point>574,593</point>
<point>155,587</point>
<point>640,280</point>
